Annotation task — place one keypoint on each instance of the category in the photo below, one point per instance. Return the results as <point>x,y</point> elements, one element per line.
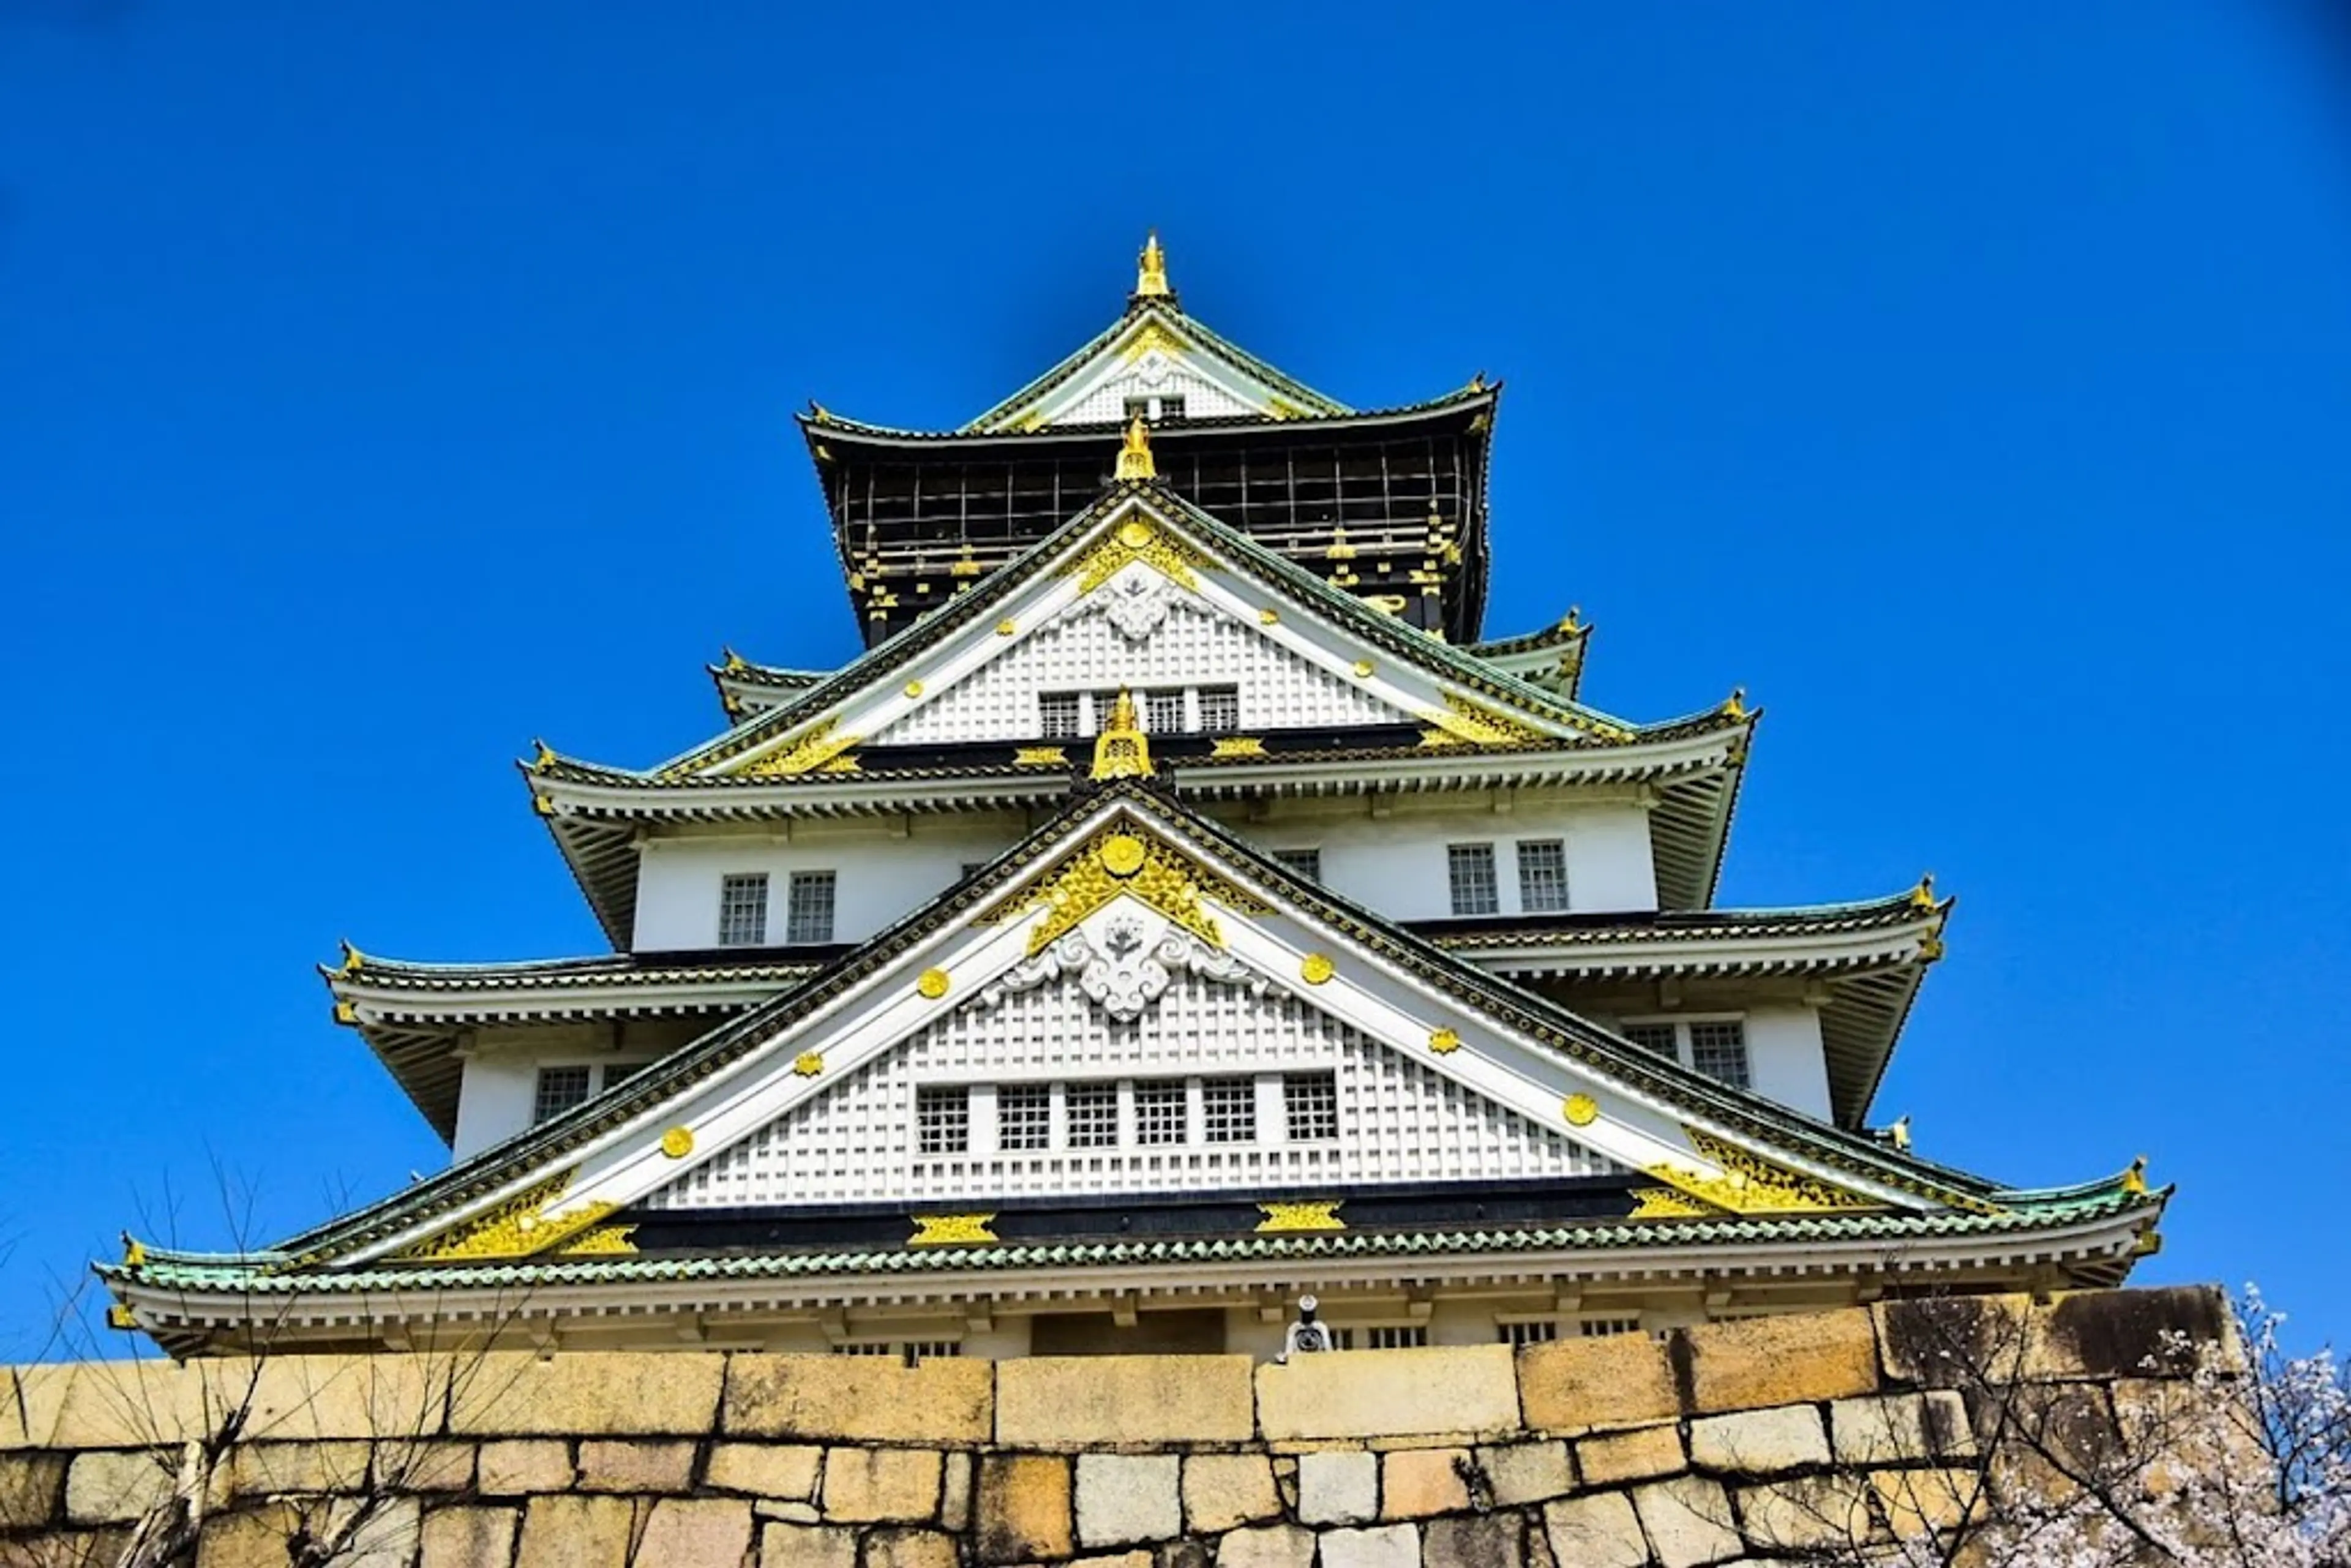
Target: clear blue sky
<point>381,386</point>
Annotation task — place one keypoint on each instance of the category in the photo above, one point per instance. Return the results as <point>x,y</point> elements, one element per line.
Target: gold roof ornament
<point>1923,895</point>
<point>1134,461</point>
<point>1121,751</point>
<point>1150,270</point>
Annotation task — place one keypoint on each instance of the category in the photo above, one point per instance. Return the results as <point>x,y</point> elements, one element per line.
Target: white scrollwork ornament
<point>1137,601</point>
<point>1125,971</point>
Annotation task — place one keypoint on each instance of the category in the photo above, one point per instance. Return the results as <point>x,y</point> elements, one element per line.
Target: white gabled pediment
<point>1158,353</point>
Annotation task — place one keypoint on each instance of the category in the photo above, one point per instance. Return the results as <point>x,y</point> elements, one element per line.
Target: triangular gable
<point>1710,1149</point>
<point>1156,351</point>
<point>1314,655</point>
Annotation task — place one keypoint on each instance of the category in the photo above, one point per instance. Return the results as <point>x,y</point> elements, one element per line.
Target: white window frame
<point>752,906</point>
<point>1685,1050</point>
<point>1555,902</point>
<point>797,916</point>
<point>1467,854</point>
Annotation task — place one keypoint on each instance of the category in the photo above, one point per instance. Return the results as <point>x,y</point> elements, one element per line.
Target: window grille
<point>1220,709</point>
<point>1024,1117</point>
<point>942,1121</point>
<point>866,1347</point>
<point>1094,1115</point>
<point>1600,1328</point>
<point>807,915</point>
<point>1162,713</point>
<point>1540,1332</point>
<point>1470,868</point>
<point>743,910</point>
<point>1057,715</point>
<point>1542,875</point>
<point>1136,408</point>
<point>1228,1110</point>
<point>1656,1036</point>
<point>1311,1101</point>
<point>1159,1113</point>
<point>907,1350</point>
<point>1719,1049</point>
<point>1171,406</point>
<point>1381,1337</point>
<point>1307,863</point>
<point>1105,703</point>
<point>932,1350</point>
<point>560,1089</point>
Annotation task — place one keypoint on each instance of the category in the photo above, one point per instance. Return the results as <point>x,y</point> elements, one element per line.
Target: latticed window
<point>932,1350</point>
<point>1228,1110</point>
<point>1171,406</point>
<point>1542,875</point>
<point>866,1347</point>
<point>1656,1036</point>
<point>1159,1113</point>
<point>1105,705</point>
<point>1220,709</point>
<point>942,1121</point>
<point>1094,1115</point>
<point>1719,1049</point>
<point>1471,869</point>
<point>560,1089</point>
<point>1311,1102</point>
<point>1057,715</point>
<point>1382,1336</point>
<point>1162,712</point>
<point>743,909</point>
<point>1024,1117</point>
<point>808,915</point>
<point>1600,1328</point>
<point>1538,1332</point>
<point>1307,863</point>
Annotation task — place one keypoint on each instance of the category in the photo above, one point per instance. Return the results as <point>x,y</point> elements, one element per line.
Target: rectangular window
<point>1656,1036</point>
<point>743,910</point>
<point>1382,1336</point>
<point>1228,1110</point>
<point>1094,1115</point>
<point>942,1121</point>
<point>1600,1328</point>
<point>1024,1117</point>
<point>1159,1113</point>
<point>1470,868</point>
<point>1542,875</point>
<point>1057,715</point>
<point>1171,406</point>
<point>1307,863</point>
<point>1311,1103</point>
<point>1162,713</point>
<point>1720,1051</point>
<point>1541,1331</point>
<point>1220,709</point>
<point>1136,408</point>
<point>560,1089</point>
<point>932,1350</point>
<point>866,1347</point>
<point>808,914</point>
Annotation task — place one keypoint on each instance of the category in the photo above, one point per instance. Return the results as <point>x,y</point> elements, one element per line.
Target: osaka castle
<point>1179,907</point>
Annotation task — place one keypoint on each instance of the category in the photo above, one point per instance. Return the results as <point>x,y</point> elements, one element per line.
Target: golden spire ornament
<point>1119,750</point>
<point>1134,460</point>
<point>1150,270</point>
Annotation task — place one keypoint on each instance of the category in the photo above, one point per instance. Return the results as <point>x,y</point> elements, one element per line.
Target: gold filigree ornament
<point>515,1228</point>
<point>818,746</point>
<point>1581,1109</point>
<point>1122,854</point>
<point>1006,627</point>
<point>604,1241</point>
<point>913,689</point>
<point>1321,1214</point>
<point>932,984</point>
<point>1445,1041</point>
<point>1167,881</point>
<point>1362,669</point>
<point>1236,746</point>
<point>809,1063</point>
<point>677,1143</point>
<point>1462,722</point>
<point>1268,616</point>
<point>1137,539</point>
<point>1751,1185</point>
<point>1040,756</point>
<point>1316,968</point>
<point>1122,750</point>
<point>952,1229</point>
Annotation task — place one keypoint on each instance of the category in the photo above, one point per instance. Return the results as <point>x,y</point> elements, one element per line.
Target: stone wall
<point>1710,1445</point>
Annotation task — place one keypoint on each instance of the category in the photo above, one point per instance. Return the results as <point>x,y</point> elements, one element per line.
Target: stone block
<point>110,1404</point>
<point>1527,1472</point>
<point>32,1489</point>
<point>1049,1402</point>
<point>1759,1442</point>
<point>1481,1541</point>
<point>470,1537</point>
<point>868,1486</point>
<point>1805,1356</point>
<point>257,1470</point>
<point>1890,1429</point>
<point>1126,1498</point>
<point>1917,1502</point>
<point>1688,1521</point>
<point>1640,1454</point>
<point>1386,1546</point>
<point>1945,1342</point>
<point>564,1532</point>
<point>807,1546</point>
<point>66,1548</point>
<point>1024,1509</point>
<point>522,1467</point>
<point>2148,1333</point>
<point>1469,1389</point>
<point>1949,1433</point>
<point>332,1398</point>
<point>622,1464</point>
<point>764,1469</point>
<point>955,1493</point>
<point>431,1465</point>
<point>1808,1515</point>
<point>1338,1487</point>
<point>103,1486</point>
<point>1274,1546</point>
<point>1417,1482</point>
<point>909,1548</point>
<point>860,1398</point>
<point>254,1538</point>
<point>1597,1530</point>
<point>1610,1380</point>
<point>376,1532</point>
<point>589,1394</point>
<point>696,1533</point>
<point>1225,1491</point>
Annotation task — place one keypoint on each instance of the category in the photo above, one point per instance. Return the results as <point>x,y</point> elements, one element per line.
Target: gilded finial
<point>1735,704</point>
<point>543,754</point>
<point>821,414</point>
<point>1923,895</point>
<point>2135,1178</point>
<point>134,1253</point>
<point>1150,270</point>
<point>353,960</point>
<point>1121,750</point>
<point>735,661</point>
<point>1134,460</point>
<point>1574,619</point>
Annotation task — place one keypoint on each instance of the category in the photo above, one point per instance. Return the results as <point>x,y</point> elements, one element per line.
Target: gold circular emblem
<point>913,689</point>
<point>809,1063</point>
<point>1363,667</point>
<point>1268,616</point>
<point>1122,854</point>
<point>1134,533</point>
<point>1006,628</point>
<point>1581,1109</point>
<point>1316,968</point>
<point>1444,1042</point>
<point>678,1142</point>
<point>933,984</point>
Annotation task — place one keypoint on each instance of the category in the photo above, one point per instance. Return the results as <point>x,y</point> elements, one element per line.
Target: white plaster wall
<point>494,1102</point>
<point>1786,1056</point>
<point>1397,865</point>
<point>880,876</point>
